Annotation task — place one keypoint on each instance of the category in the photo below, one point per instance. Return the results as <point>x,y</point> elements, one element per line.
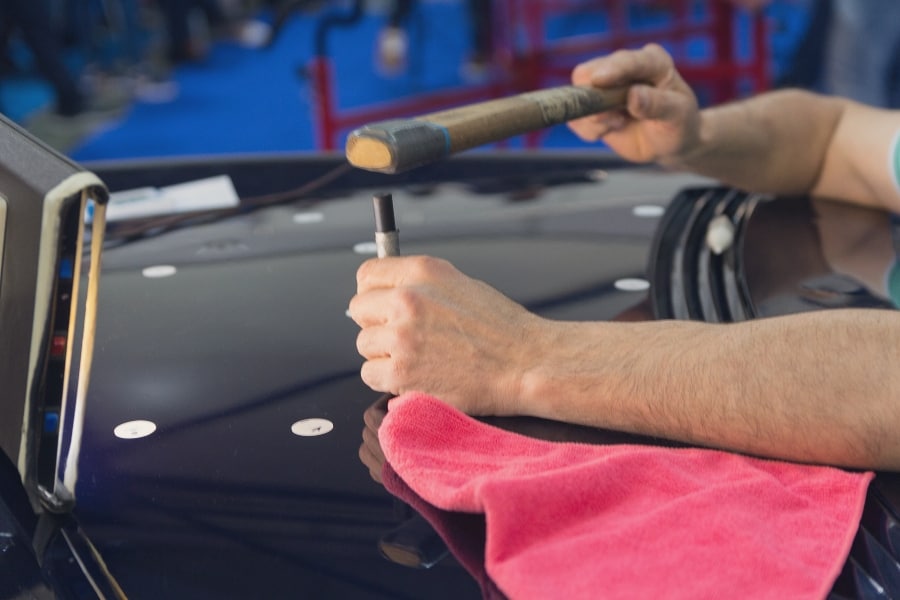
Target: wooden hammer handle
<point>400,144</point>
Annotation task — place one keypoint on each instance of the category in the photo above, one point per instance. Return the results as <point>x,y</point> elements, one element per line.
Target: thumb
<point>651,103</point>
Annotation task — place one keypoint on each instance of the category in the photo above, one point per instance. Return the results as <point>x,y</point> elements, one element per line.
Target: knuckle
<point>658,53</point>
<point>425,268</point>
<point>443,266</point>
<point>408,302</point>
<point>420,266</point>
<point>654,49</point>
<point>621,56</point>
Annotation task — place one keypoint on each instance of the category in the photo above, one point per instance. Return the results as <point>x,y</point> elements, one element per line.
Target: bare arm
<point>857,163</point>
<point>818,387</point>
<point>797,142</point>
<point>775,142</point>
<point>783,142</point>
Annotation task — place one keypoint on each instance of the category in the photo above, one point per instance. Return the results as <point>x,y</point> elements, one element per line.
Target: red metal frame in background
<point>331,121</point>
<point>543,59</point>
<point>534,62</point>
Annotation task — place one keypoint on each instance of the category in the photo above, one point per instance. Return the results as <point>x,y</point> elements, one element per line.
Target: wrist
<point>534,378</point>
<point>695,150</point>
<point>564,359</point>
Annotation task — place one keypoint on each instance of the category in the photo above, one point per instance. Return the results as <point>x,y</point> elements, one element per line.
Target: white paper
<point>202,194</point>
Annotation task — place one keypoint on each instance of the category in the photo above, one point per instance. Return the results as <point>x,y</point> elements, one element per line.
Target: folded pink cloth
<point>569,520</point>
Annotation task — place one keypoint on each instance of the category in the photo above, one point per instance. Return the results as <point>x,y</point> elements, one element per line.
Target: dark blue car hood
<point>248,335</point>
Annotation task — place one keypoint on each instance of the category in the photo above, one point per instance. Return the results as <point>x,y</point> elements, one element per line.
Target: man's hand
<point>661,120</point>
<point>429,328</point>
<point>814,387</point>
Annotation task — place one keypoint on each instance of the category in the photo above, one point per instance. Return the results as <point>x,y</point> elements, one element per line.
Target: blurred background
<point>111,79</point>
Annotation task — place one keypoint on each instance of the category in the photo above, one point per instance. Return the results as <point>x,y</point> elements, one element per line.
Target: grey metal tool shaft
<point>387,238</point>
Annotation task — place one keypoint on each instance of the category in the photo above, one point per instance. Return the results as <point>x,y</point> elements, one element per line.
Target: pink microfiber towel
<point>463,533</point>
<point>570,520</point>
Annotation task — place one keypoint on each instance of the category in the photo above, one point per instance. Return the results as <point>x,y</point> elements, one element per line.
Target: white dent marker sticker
<point>632,284</point>
<point>308,218</point>
<point>312,427</point>
<point>132,430</point>
<point>159,271</point>
<point>720,234</point>
<point>648,211</point>
<point>598,175</point>
<point>365,248</point>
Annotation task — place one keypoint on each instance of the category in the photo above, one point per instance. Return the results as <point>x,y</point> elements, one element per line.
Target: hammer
<point>397,145</point>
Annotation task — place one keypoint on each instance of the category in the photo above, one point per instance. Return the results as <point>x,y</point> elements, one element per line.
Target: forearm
<point>819,387</point>
<point>860,163</point>
<point>775,142</point>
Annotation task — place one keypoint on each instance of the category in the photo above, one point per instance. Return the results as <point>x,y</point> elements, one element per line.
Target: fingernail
<point>641,94</point>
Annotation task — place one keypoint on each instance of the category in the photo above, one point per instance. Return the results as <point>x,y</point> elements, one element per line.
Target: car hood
<point>247,335</point>
<point>228,331</point>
